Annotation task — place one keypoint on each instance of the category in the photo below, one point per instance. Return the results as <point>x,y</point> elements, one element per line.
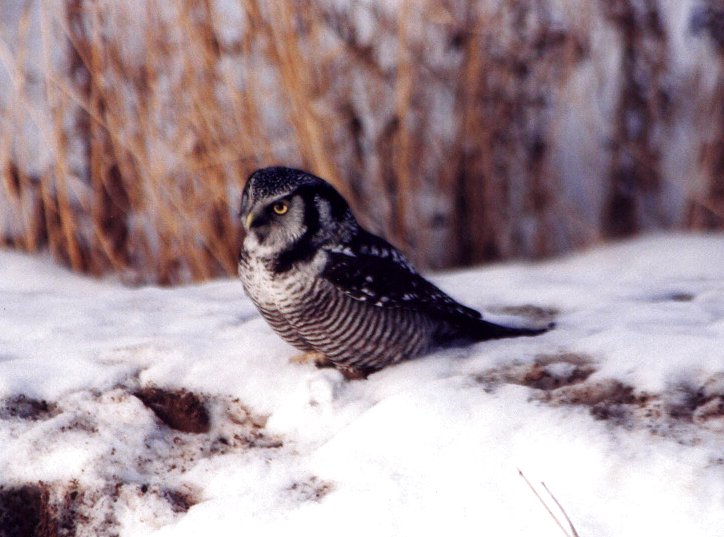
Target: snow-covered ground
<point>619,410</point>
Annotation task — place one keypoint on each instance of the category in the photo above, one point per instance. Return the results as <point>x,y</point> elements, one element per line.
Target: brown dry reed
<point>447,124</point>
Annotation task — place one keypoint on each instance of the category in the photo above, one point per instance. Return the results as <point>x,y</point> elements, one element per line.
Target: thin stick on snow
<point>573,533</point>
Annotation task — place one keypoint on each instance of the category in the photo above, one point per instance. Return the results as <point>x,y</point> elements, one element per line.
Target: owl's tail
<point>466,329</point>
<point>482,330</point>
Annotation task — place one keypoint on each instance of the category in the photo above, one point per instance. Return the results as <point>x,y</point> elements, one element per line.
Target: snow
<point>618,410</point>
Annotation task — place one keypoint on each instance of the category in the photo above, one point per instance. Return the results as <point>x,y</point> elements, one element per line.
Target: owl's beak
<point>254,219</point>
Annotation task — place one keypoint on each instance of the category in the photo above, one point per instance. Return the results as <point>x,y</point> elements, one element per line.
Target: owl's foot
<point>313,357</point>
<point>356,373</point>
<point>321,361</point>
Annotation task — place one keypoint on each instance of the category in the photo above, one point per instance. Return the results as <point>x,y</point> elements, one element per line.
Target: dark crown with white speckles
<point>277,181</point>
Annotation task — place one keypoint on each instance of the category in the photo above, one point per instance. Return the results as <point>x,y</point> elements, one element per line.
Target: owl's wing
<point>371,270</point>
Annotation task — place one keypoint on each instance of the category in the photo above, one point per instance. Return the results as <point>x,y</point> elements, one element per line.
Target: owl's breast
<point>278,290</point>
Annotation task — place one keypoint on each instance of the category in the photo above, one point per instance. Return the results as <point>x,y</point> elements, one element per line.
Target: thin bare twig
<point>573,532</point>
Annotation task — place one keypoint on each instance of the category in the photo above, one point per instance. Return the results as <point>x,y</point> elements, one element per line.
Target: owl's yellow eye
<point>280,207</point>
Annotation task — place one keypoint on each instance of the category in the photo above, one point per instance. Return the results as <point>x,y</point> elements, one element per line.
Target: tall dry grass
<point>443,122</point>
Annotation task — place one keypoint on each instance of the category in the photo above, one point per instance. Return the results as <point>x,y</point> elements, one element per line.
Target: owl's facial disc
<point>274,224</point>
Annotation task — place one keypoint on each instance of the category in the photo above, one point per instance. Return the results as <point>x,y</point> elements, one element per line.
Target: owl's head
<point>284,208</point>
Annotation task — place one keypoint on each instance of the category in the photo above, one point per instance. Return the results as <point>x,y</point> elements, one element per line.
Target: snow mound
<point>163,412</point>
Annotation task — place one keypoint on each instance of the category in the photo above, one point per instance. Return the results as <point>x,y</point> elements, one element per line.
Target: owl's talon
<point>356,373</point>
<point>313,357</point>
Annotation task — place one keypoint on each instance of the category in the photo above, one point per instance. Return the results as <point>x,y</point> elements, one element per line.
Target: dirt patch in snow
<point>137,470</point>
<point>546,372</point>
<point>569,379</point>
<point>311,489</point>
<point>180,410</point>
<point>530,311</point>
<point>21,510</point>
<point>68,509</point>
<point>27,408</point>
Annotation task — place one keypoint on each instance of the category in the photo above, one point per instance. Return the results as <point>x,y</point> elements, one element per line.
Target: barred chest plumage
<point>277,296</point>
<point>313,315</point>
<point>277,290</point>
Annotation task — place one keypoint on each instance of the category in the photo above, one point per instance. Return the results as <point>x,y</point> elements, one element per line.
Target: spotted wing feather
<point>371,270</point>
